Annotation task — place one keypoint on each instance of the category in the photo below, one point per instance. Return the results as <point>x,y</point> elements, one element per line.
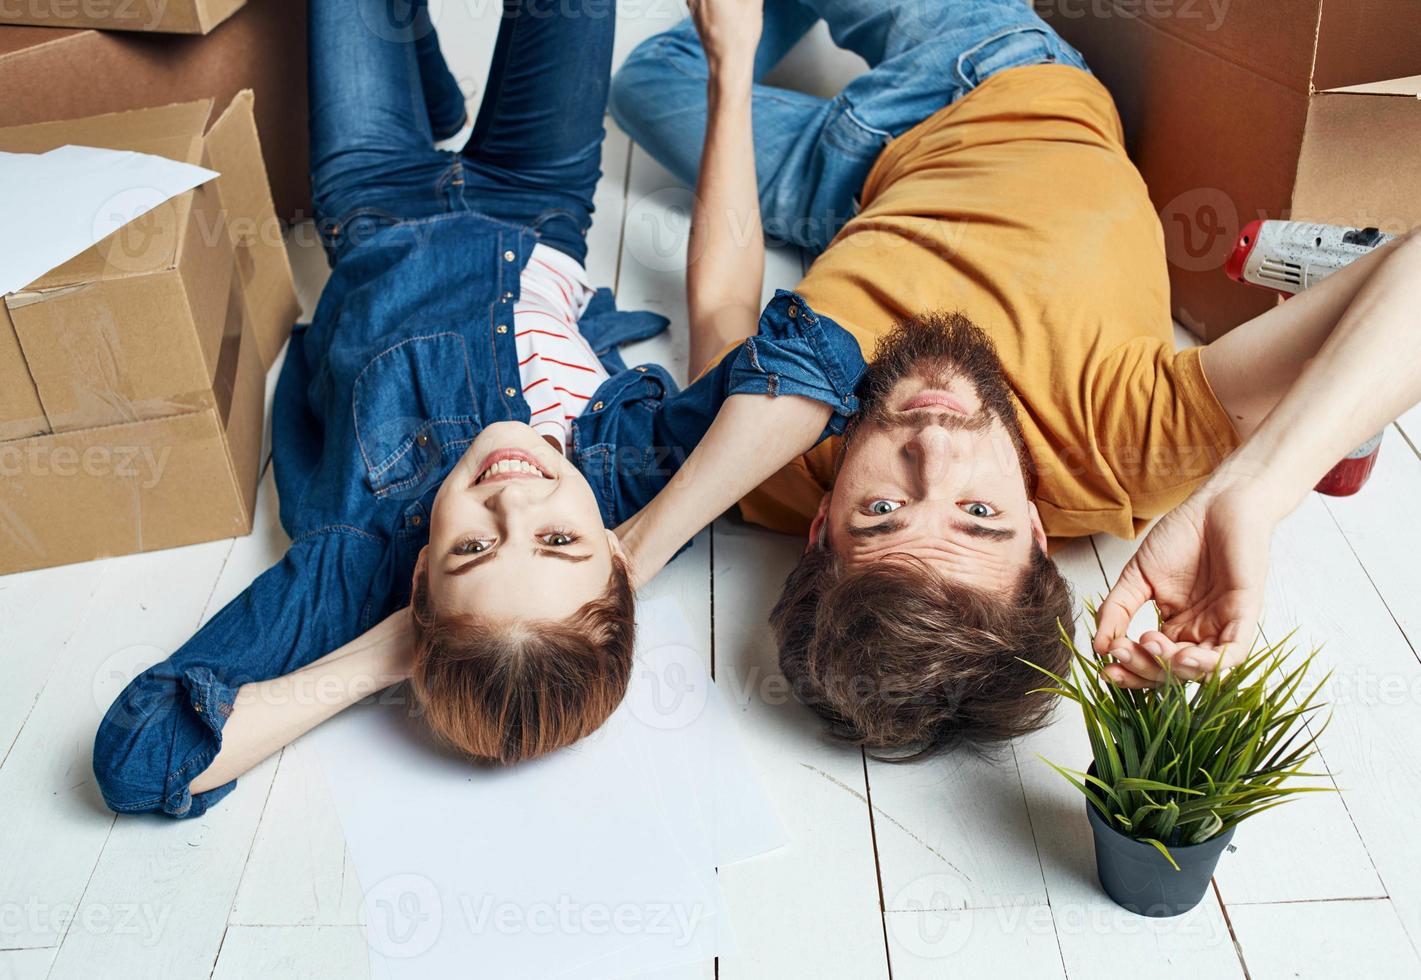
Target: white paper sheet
<point>594,862</point>
<point>55,205</point>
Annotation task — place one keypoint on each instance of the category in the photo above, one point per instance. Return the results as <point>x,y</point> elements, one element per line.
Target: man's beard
<point>940,348</point>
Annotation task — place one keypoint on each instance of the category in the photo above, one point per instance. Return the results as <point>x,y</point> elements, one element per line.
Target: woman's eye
<point>473,546</point>
<point>978,509</point>
<point>881,507</point>
<point>559,539</point>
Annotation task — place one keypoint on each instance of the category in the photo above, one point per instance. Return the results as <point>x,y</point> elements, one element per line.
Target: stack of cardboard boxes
<point>133,376</point>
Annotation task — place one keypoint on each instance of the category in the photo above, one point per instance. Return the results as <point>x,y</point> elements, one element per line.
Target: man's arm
<point>267,715</point>
<point>1206,562</point>
<point>725,263</point>
<point>1252,367</point>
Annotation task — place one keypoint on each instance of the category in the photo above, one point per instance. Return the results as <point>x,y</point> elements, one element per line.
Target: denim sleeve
<point>166,726</point>
<point>796,352</point>
<point>637,442</point>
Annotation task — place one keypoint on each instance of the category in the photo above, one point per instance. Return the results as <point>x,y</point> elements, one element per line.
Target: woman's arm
<point>725,262</point>
<point>268,715</point>
<point>1206,562</point>
<point>752,437</point>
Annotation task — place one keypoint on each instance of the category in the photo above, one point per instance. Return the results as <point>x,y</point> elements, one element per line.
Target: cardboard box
<point>1244,109</point>
<point>161,16</point>
<point>132,377</point>
<point>48,74</point>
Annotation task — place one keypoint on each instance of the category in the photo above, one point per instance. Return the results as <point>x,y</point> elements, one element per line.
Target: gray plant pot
<point>1138,878</point>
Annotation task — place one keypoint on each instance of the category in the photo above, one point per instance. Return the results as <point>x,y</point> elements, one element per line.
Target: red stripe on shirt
<point>545,409</point>
<point>575,367</point>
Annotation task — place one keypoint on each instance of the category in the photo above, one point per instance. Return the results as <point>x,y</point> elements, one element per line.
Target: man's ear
<point>817,527</point>
<point>1038,530</point>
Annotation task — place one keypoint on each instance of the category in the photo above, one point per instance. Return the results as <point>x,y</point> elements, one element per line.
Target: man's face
<point>933,468</point>
<point>515,532</point>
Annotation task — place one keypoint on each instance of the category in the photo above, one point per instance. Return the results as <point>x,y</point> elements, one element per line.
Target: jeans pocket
<point>1011,48</point>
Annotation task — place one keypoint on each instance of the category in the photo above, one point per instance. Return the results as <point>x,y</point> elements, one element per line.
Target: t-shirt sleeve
<point>1158,425</point>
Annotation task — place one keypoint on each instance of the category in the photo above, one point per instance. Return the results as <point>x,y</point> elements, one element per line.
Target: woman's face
<point>515,533</point>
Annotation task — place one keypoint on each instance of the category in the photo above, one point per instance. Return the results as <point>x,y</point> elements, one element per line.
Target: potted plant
<point>1177,767</point>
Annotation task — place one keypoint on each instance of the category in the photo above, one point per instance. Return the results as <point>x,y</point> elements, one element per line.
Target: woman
<point>455,430</point>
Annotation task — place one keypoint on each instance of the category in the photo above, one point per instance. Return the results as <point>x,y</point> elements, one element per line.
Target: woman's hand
<point>1205,565</point>
<point>730,33</point>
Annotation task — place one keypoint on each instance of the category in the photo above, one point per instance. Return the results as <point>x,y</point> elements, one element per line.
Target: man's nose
<point>934,450</point>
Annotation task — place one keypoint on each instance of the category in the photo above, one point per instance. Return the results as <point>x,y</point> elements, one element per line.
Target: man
<point>1006,270</point>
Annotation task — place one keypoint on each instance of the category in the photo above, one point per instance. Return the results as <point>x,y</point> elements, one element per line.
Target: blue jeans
<point>812,154</point>
<point>381,94</point>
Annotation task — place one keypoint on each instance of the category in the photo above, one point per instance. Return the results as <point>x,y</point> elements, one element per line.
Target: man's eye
<point>473,546</point>
<point>880,507</point>
<point>558,539</point>
<point>978,509</point>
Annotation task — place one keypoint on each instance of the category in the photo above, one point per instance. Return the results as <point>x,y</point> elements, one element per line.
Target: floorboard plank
<point>811,908</point>
<point>54,818</point>
<point>1317,585</point>
<point>39,612</point>
<point>1324,940</point>
<point>26,964</point>
<point>293,953</point>
<point>1381,528</point>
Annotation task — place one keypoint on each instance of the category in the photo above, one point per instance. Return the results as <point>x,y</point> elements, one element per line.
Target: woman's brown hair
<point>509,692</point>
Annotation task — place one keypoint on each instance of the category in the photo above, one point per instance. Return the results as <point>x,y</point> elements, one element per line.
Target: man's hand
<point>1204,565</point>
<point>730,33</point>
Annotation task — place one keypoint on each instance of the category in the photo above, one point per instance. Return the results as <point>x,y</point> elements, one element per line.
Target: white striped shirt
<point>556,365</point>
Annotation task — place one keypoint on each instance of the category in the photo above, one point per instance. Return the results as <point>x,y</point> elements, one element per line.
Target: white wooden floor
<point>952,868</point>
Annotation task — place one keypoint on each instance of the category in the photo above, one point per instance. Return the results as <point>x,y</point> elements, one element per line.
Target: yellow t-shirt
<point>1018,206</point>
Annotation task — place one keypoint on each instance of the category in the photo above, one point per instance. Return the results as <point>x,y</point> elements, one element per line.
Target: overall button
<point>422,439</point>
<point>509,392</point>
<point>597,407</point>
<point>501,328</point>
<point>508,255</point>
<point>416,520</point>
<point>641,368</point>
